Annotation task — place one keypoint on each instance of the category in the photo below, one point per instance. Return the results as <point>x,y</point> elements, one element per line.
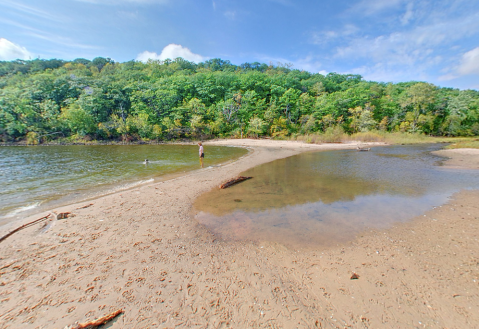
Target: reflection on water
<point>327,197</point>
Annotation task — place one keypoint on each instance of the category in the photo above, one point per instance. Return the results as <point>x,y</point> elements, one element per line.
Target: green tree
<point>78,121</point>
<point>256,126</point>
<point>420,97</point>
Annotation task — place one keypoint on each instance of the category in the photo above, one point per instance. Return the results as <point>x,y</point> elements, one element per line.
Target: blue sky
<point>384,40</point>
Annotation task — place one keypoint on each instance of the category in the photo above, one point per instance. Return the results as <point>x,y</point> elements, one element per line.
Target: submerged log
<point>234,181</point>
<point>98,322</point>
<point>363,149</point>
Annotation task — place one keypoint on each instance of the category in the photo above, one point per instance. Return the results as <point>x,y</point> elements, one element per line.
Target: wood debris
<point>88,205</point>
<point>25,226</point>
<point>97,322</point>
<point>61,215</point>
<point>234,181</point>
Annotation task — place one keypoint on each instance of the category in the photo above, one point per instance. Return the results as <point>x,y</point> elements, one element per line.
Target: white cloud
<point>10,51</point>
<point>171,51</point>
<point>469,63</point>
<point>214,5</point>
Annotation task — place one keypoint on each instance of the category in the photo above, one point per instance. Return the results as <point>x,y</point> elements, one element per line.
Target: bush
<point>369,136</point>
<point>32,138</point>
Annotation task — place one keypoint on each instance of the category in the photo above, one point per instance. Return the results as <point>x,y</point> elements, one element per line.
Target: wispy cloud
<point>131,15</point>
<point>11,51</point>
<point>62,41</point>
<point>416,40</point>
<point>373,7</point>
<point>230,14</point>
<point>32,11</point>
<point>408,15</point>
<point>172,51</point>
<point>324,37</point>
<point>419,42</point>
<point>283,2</point>
<point>133,2</point>
<point>47,36</point>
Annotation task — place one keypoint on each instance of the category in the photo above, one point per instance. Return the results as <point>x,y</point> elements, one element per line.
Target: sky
<point>436,41</point>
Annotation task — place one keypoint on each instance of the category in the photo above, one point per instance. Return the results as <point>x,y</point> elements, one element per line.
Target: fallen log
<point>24,226</point>
<point>234,181</point>
<point>99,321</point>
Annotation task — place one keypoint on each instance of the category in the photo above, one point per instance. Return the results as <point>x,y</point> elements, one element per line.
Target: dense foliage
<point>100,99</point>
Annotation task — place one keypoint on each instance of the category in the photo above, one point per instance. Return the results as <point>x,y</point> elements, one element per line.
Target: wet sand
<point>140,251</point>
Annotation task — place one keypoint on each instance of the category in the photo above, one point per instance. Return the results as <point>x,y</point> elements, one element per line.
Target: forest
<point>82,100</point>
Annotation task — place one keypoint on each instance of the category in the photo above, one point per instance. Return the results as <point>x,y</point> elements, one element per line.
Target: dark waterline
<point>36,178</point>
<point>325,198</point>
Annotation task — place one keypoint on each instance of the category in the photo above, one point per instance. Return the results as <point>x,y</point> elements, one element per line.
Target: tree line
<point>43,100</point>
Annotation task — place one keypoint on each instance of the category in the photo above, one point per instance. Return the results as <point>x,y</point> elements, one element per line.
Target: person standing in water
<point>202,153</point>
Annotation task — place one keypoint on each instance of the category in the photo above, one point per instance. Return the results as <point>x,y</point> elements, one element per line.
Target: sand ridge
<point>139,250</point>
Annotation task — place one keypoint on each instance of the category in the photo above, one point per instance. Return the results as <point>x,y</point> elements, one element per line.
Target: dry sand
<point>140,251</point>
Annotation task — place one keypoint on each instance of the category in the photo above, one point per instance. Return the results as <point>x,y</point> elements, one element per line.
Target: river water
<point>325,198</point>
<point>39,177</point>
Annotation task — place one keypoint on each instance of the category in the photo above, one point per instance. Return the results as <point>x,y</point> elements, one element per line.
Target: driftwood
<point>25,226</point>
<point>363,149</point>
<point>54,216</point>
<point>234,181</point>
<point>98,322</point>
<point>88,205</point>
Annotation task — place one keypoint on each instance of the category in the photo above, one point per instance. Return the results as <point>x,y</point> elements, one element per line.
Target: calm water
<point>323,198</point>
<point>32,178</point>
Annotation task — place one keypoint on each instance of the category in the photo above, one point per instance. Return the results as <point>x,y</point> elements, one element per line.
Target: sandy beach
<point>141,251</point>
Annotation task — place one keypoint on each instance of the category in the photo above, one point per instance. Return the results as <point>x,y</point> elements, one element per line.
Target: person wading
<point>202,153</point>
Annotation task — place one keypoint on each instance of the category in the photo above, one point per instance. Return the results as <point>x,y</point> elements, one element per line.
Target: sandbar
<point>141,251</point>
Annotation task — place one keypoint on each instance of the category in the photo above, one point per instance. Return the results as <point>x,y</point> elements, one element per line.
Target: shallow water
<point>32,178</point>
<point>325,198</point>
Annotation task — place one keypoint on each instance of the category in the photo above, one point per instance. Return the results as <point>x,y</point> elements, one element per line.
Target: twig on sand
<point>24,226</point>
<point>88,205</point>
<point>97,322</point>
<point>234,181</point>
